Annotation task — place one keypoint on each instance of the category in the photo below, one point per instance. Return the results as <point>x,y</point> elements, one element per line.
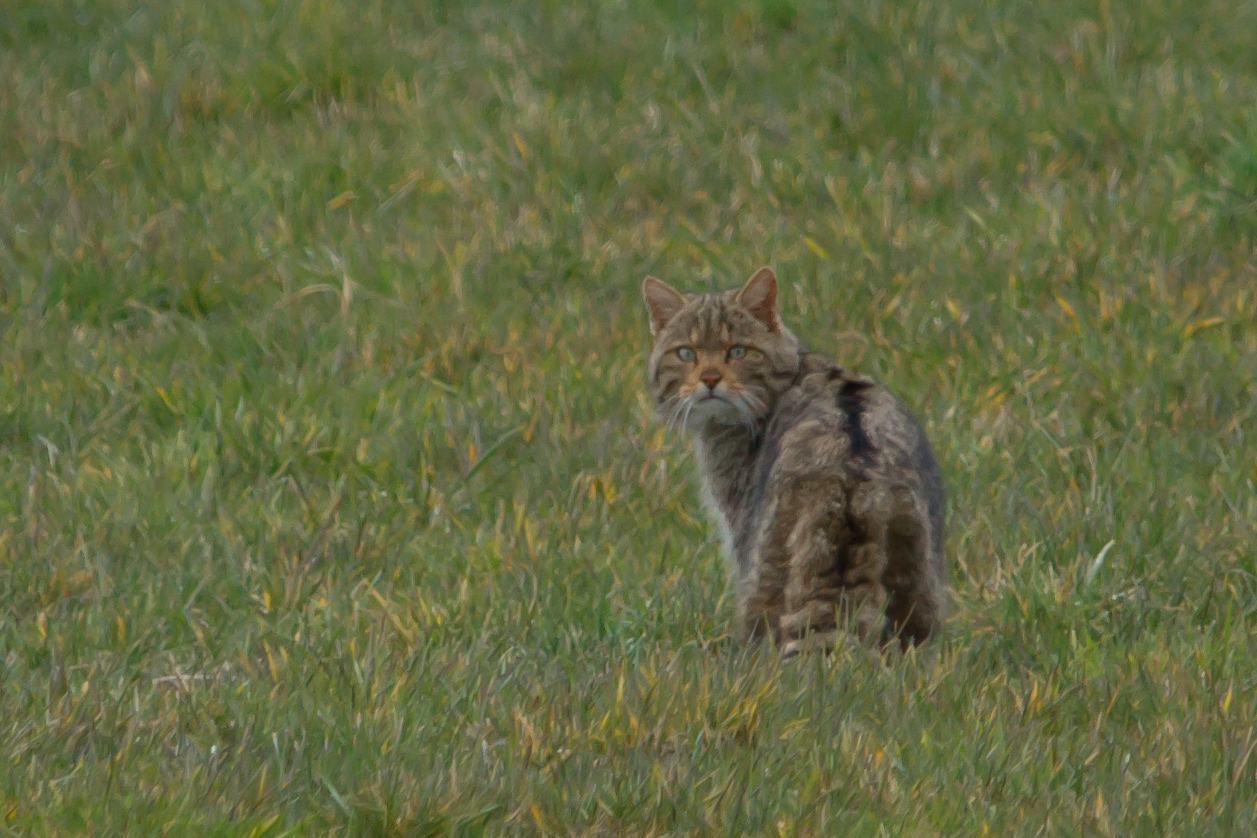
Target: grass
<point>333,502</point>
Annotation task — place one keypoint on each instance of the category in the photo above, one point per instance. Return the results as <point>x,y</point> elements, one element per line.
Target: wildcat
<point>824,487</point>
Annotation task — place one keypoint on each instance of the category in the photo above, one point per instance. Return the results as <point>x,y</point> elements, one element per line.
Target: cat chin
<point>714,411</point>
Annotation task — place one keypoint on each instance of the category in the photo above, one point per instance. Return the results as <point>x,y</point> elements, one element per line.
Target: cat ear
<point>759,297</point>
<point>662,301</point>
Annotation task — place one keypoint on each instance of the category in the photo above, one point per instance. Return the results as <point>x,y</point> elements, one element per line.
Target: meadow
<point>332,501</point>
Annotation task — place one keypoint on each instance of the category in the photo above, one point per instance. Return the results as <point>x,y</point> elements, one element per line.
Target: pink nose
<point>710,377</point>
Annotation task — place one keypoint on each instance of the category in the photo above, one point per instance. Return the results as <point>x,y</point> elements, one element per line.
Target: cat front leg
<point>760,602</point>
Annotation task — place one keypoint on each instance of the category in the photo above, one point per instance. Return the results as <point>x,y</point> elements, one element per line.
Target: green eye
<point>686,354</point>
<point>737,352</point>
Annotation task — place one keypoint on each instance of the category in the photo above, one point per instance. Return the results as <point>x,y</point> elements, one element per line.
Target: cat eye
<point>687,354</point>
<point>737,352</point>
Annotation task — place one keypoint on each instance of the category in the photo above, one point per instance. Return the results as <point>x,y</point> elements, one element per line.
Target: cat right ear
<point>662,301</point>
<point>759,297</point>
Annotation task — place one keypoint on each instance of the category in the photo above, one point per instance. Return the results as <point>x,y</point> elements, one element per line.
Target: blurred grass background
<point>333,502</point>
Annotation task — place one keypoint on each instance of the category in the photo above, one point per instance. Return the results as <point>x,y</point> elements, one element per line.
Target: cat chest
<point>721,516</point>
<point>732,503</point>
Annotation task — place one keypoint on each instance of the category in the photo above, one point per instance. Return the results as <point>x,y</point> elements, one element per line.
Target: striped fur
<point>826,492</point>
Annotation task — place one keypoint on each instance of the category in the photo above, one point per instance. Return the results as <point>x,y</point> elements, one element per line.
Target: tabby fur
<point>823,485</point>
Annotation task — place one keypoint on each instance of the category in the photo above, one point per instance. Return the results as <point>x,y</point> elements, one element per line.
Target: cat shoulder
<point>871,417</point>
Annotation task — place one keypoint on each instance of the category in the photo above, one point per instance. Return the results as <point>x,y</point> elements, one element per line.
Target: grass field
<point>332,501</point>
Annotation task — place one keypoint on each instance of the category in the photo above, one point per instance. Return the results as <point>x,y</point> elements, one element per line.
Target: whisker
<point>750,406</point>
<point>754,403</point>
<point>685,422</point>
<point>748,418</point>
<point>672,409</point>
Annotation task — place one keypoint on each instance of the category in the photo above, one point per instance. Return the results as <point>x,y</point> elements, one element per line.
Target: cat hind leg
<point>832,586</point>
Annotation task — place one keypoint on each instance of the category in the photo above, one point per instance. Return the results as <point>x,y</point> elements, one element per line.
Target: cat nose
<point>711,377</point>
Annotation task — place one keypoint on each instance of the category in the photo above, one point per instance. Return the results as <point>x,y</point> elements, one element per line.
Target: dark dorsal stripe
<point>851,402</point>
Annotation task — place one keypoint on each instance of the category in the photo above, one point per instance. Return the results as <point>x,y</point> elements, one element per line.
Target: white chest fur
<point>714,510</point>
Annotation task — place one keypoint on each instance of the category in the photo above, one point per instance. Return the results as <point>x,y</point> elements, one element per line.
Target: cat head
<point>720,358</point>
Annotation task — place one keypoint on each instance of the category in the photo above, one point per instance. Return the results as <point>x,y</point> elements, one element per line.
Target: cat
<point>827,495</point>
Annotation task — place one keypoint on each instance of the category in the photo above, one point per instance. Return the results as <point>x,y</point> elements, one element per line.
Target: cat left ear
<point>759,297</point>
<point>662,301</point>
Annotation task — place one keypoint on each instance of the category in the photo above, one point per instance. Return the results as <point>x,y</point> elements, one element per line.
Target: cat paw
<point>822,641</point>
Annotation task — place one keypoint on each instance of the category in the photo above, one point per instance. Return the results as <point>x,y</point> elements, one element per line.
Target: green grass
<point>332,501</point>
